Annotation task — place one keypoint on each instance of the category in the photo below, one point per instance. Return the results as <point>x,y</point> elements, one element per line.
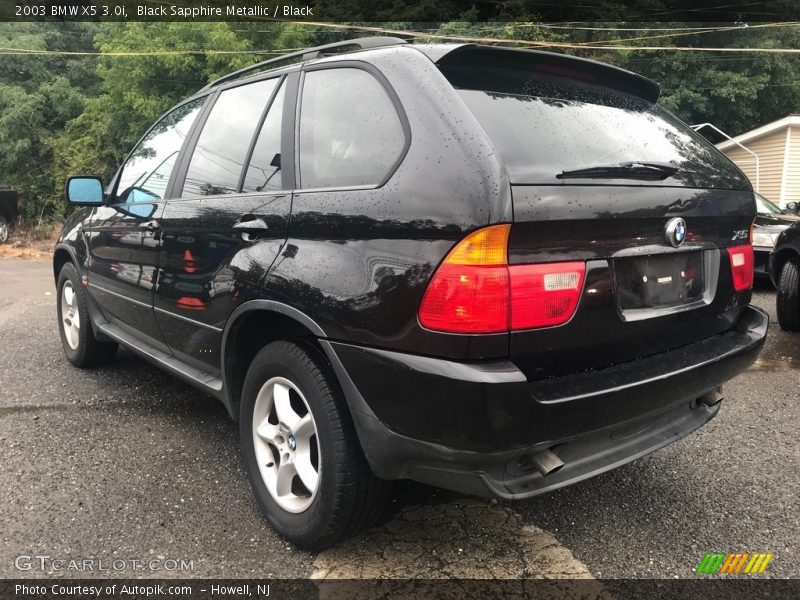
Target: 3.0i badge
<point>676,231</point>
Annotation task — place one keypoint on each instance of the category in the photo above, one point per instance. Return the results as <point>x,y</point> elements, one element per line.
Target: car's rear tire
<point>293,421</point>
<point>3,230</point>
<point>788,298</point>
<point>81,346</point>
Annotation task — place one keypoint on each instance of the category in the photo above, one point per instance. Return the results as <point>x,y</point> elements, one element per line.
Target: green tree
<point>64,114</point>
<point>136,90</point>
<point>39,94</point>
<point>736,91</point>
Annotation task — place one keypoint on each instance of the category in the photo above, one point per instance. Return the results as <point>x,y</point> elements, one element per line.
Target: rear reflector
<point>544,295</point>
<point>741,266</point>
<point>475,291</point>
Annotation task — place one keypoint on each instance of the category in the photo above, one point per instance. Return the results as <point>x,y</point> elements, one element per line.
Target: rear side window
<point>145,175</point>
<point>264,170</point>
<point>542,126</point>
<point>221,150</point>
<point>350,132</point>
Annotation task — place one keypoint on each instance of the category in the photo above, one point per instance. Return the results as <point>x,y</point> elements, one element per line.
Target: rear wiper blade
<point>628,170</point>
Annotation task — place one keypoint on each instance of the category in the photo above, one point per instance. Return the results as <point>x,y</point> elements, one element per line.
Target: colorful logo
<point>738,562</point>
<point>676,231</point>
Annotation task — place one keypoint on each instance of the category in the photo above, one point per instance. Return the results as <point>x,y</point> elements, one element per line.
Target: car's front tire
<point>302,455</point>
<point>788,298</point>
<point>81,346</point>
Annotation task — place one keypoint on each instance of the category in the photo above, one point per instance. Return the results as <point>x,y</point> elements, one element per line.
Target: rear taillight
<point>474,290</point>
<point>741,266</point>
<point>469,291</point>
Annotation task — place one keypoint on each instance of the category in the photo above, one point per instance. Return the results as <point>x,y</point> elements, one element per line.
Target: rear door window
<point>350,132</point>
<point>264,169</point>
<point>221,150</point>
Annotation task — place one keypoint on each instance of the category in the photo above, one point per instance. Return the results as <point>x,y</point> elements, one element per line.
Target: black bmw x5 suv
<point>490,270</point>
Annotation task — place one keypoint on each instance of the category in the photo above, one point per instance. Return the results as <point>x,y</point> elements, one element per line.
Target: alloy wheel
<point>286,444</point>
<point>70,317</point>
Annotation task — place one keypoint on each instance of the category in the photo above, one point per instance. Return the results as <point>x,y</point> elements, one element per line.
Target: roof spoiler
<point>551,64</point>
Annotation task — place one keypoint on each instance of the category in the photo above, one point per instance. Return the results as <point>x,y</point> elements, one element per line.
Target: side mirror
<point>85,191</point>
<point>792,206</point>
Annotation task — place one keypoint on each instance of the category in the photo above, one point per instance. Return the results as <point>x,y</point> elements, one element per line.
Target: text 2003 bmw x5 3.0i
<point>491,270</point>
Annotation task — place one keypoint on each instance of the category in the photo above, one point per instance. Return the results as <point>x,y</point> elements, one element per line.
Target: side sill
<point>203,381</point>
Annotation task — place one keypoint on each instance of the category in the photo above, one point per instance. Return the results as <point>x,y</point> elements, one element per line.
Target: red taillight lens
<point>741,266</point>
<point>466,299</point>
<point>475,291</point>
<point>544,295</point>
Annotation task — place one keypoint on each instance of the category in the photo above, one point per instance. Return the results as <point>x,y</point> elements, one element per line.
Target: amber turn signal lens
<point>484,247</point>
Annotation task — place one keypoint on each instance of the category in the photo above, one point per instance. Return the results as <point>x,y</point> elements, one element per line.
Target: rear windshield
<point>542,127</point>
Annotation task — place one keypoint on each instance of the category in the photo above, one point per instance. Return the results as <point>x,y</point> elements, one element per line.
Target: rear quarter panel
<point>358,261</point>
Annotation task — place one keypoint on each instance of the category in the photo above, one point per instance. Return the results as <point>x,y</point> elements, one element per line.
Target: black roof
<point>537,61</point>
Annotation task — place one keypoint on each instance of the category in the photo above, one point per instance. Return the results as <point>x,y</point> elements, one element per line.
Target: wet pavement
<point>128,462</point>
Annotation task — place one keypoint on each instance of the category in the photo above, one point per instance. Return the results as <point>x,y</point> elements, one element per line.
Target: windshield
<point>765,207</point>
<point>572,128</point>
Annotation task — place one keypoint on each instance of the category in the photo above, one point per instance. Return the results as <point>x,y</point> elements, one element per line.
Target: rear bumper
<point>474,427</point>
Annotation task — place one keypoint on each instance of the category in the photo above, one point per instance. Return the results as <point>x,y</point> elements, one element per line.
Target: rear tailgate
<point>643,293</point>
<point>620,232</point>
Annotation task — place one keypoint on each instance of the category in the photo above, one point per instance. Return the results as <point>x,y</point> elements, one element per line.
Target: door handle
<point>250,224</point>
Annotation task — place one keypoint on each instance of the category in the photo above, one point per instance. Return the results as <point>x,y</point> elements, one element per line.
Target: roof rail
<point>309,53</point>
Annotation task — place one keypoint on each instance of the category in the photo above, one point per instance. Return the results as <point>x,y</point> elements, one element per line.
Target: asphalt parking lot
<point>127,462</point>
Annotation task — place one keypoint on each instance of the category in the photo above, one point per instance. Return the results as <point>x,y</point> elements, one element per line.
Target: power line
<point>497,26</point>
<point>685,49</point>
<point>701,32</point>
<point>713,87</point>
<point>416,35</point>
<point>539,44</point>
<point>23,51</point>
<point>579,28</point>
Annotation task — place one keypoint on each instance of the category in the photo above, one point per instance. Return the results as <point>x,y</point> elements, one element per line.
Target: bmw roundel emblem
<point>676,231</point>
